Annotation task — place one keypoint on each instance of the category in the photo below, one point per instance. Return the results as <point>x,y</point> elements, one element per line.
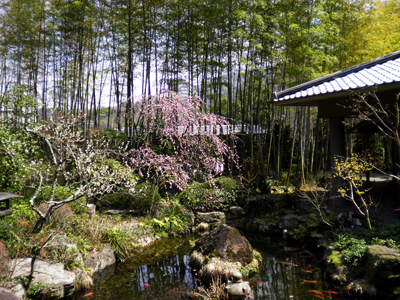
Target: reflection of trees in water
<point>286,277</point>
<point>162,272</point>
<point>169,276</point>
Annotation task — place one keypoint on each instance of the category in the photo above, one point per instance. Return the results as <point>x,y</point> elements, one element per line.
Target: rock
<point>237,290</point>
<point>237,276</point>
<point>189,214</point>
<point>202,227</point>
<point>226,242</point>
<point>381,276</point>
<point>19,291</point>
<point>60,215</point>
<point>6,294</point>
<point>56,281</point>
<point>114,212</point>
<point>383,266</point>
<point>215,217</point>
<point>349,220</point>
<point>290,221</point>
<point>360,287</point>
<point>83,280</point>
<point>61,248</point>
<point>337,271</point>
<point>91,209</point>
<point>237,211</point>
<point>4,261</point>
<point>96,261</point>
<point>221,254</point>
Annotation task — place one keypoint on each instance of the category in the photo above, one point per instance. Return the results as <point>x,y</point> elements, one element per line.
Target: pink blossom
<point>178,123</point>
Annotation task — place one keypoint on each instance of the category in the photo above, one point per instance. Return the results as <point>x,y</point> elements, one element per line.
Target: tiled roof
<point>380,71</point>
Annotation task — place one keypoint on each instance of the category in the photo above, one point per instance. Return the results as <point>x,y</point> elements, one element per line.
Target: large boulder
<point>6,294</point>
<point>50,280</point>
<point>212,218</point>
<point>61,248</point>
<point>382,266</point>
<point>98,260</point>
<point>221,253</point>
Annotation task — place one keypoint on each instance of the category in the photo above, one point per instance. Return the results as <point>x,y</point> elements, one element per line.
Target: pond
<point>162,271</point>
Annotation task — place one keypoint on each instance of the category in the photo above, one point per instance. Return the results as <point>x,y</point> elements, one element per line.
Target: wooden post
<point>337,148</point>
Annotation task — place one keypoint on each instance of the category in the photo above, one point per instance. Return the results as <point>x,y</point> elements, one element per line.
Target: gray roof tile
<point>384,70</point>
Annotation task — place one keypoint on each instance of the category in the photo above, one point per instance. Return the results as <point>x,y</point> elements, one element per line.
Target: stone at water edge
<point>237,211</point>
<point>98,260</point>
<point>215,217</point>
<point>227,243</point>
<point>7,294</point>
<point>58,282</point>
<point>221,254</point>
<point>237,290</point>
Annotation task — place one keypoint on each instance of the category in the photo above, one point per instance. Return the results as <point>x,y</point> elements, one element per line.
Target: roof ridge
<point>341,73</point>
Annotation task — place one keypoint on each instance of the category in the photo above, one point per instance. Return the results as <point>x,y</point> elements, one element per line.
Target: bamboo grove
<point>100,56</point>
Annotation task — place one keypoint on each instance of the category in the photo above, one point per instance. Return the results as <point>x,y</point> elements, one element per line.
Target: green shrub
<point>170,221</point>
<point>209,200</point>
<point>5,229</point>
<point>61,193</point>
<point>218,195</point>
<point>352,250</point>
<point>120,241</point>
<point>227,183</point>
<point>139,201</point>
<point>114,138</point>
<point>308,226</point>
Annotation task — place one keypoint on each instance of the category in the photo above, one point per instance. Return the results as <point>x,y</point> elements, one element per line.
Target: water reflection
<point>162,272</point>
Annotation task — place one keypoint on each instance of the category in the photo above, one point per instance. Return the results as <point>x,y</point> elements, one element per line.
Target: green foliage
<point>170,221</point>
<point>252,267</point>
<point>35,289</point>
<point>5,228</point>
<point>120,241</point>
<point>351,250</point>
<point>384,242</point>
<point>20,224</point>
<point>139,202</point>
<point>21,107</point>
<point>308,226</point>
<point>350,169</point>
<point>209,199</point>
<point>227,183</point>
<point>391,232</point>
<point>60,193</point>
<point>275,219</point>
<point>15,147</point>
<point>217,195</point>
<point>115,138</point>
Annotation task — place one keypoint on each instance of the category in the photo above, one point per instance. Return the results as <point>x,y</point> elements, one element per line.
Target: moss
<point>252,267</point>
<point>334,258</point>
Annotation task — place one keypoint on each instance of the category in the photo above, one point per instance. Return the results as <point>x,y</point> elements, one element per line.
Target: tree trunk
<point>39,225</point>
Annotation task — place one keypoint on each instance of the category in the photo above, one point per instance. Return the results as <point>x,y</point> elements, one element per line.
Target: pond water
<point>162,271</point>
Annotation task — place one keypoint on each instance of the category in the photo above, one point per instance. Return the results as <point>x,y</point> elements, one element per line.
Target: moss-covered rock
<point>335,268</point>
<point>383,268</point>
<point>360,287</point>
<point>223,252</point>
<point>381,276</point>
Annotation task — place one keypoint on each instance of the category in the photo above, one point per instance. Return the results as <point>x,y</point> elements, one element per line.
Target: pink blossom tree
<point>179,142</point>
